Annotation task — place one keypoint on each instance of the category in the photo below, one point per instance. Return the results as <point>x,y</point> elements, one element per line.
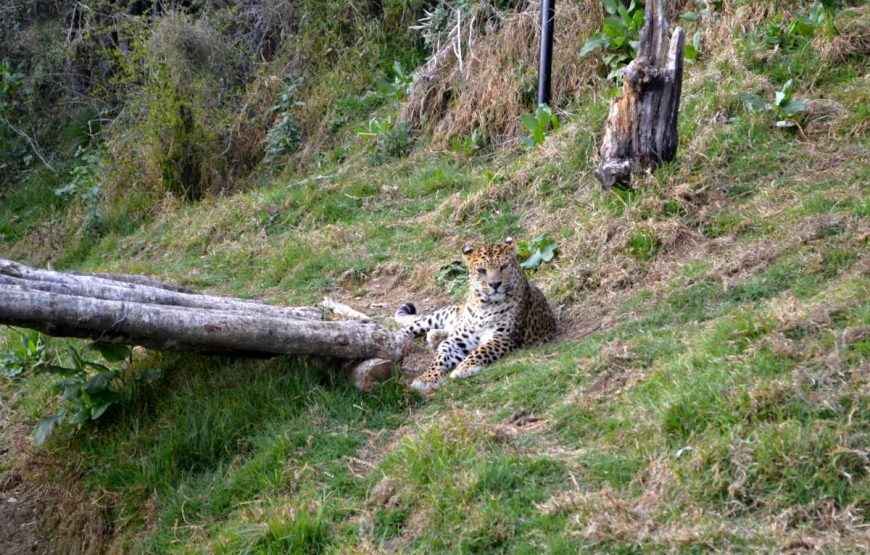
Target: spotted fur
<point>502,312</point>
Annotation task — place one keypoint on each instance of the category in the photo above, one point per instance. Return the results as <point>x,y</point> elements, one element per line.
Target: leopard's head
<point>493,270</point>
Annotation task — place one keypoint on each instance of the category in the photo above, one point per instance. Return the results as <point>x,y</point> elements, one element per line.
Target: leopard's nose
<point>495,285</point>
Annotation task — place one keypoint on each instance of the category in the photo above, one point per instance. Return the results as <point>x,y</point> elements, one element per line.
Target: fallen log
<point>641,129</point>
<point>188,329</point>
<point>139,311</point>
<point>87,285</point>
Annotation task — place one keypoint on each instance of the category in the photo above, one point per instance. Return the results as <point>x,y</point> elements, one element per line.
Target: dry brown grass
<point>489,97</point>
<point>852,39</point>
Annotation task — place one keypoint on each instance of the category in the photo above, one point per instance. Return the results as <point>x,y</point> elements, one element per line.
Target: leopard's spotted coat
<point>502,312</point>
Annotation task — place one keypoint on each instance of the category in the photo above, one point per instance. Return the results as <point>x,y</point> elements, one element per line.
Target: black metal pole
<point>548,13</point>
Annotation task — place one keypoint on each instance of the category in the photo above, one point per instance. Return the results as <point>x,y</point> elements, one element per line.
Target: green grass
<point>718,396</point>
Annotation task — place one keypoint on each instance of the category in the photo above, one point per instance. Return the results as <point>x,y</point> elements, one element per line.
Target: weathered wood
<point>368,373</point>
<point>135,280</point>
<point>188,329</point>
<point>340,309</point>
<point>641,129</point>
<point>84,285</point>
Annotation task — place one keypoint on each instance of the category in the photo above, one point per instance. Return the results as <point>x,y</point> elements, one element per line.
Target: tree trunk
<point>641,130</point>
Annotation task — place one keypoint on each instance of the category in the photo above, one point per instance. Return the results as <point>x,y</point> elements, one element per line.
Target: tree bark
<point>641,129</point>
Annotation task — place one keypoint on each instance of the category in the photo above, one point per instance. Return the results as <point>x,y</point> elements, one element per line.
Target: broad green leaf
<point>77,360</point>
<point>794,106</point>
<point>754,103</point>
<point>44,428</point>
<point>612,6</point>
<point>689,16</point>
<point>529,121</point>
<point>151,375</point>
<point>614,28</point>
<point>97,412</point>
<point>59,370</point>
<point>595,42</point>
<point>100,381</point>
<point>532,262</point>
<point>82,415</point>
<point>638,20</point>
<point>785,94</point>
<point>96,366</point>
<point>112,352</point>
<point>690,52</point>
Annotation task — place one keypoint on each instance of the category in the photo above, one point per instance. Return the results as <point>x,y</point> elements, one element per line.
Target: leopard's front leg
<point>449,353</point>
<point>488,352</point>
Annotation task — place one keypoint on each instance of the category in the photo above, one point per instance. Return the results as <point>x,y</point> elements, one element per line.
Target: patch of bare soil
<point>20,517</point>
<point>42,508</point>
<point>19,513</point>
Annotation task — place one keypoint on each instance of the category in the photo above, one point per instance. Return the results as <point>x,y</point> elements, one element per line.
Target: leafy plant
<point>537,251</point>
<point>780,34</point>
<point>285,135</point>
<point>538,124</point>
<point>784,104</point>
<point>800,29</point>
<point>25,354</point>
<point>391,141</point>
<point>643,244</point>
<point>706,9</point>
<point>399,86</point>
<point>11,83</point>
<point>469,144</point>
<point>693,49</point>
<point>88,388</point>
<point>452,277</point>
<point>619,38</point>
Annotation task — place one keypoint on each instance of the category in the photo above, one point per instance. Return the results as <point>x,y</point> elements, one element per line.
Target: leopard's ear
<point>508,241</point>
<point>467,250</point>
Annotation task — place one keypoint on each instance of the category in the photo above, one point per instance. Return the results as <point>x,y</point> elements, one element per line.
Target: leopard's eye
<point>481,271</point>
<point>504,267</point>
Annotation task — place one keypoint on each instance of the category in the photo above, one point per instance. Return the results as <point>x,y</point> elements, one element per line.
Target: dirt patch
<point>20,517</point>
<point>522,421</point>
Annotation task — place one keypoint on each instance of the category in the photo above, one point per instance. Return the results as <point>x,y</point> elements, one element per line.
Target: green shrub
<point>90,388</point>
<point>285,136</point>
<point>619,38</point>
<point>539,125</point>
<point>26,353</point>
<point>537,251</point>
<point>785,105</point>
<point>390,141</point>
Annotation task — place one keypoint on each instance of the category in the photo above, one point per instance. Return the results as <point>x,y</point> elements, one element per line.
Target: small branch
<point>343,310</point>
<point>33,145</point>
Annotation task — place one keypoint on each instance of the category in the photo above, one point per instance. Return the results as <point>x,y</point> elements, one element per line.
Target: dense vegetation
<point>711,385</point>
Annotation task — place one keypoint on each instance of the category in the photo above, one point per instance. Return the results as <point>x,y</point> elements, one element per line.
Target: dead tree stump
<point>641,131</point>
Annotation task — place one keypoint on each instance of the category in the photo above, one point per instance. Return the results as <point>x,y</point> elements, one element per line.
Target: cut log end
<point>369,373</point>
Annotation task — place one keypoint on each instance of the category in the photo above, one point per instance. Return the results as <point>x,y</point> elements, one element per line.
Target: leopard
<point>501,312</point>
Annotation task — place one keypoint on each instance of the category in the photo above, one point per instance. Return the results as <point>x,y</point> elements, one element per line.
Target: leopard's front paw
<point>426,383</point>
<point>463,371</point>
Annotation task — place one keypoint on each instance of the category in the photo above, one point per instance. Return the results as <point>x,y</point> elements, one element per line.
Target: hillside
<point>710,386</point>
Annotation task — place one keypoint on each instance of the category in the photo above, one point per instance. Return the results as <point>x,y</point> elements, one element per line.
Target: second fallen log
<point>193,329</point>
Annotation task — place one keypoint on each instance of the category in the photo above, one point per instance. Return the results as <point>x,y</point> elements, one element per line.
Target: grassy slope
<point>710,389</point>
